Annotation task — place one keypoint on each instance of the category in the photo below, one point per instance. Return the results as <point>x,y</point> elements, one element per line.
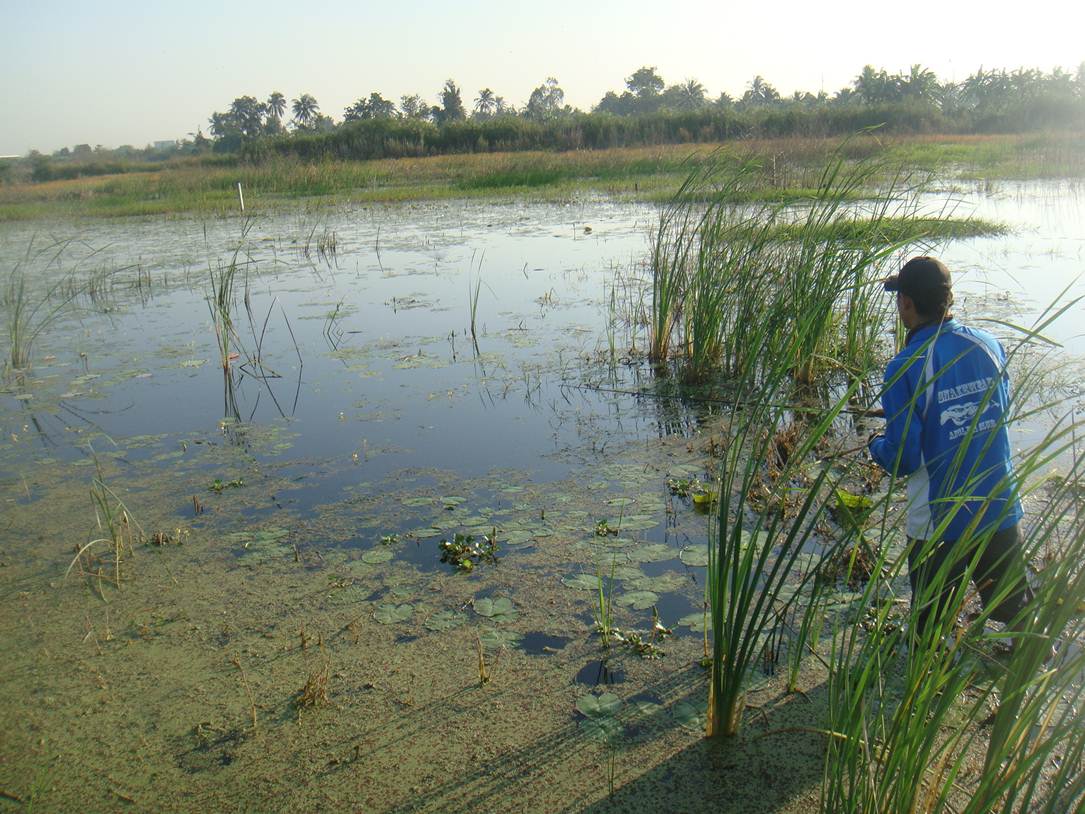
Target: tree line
<point>986,100</point>
<point>646,111</point>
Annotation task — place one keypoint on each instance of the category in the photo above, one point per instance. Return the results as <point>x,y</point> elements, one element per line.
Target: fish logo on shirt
<point>960,414</point>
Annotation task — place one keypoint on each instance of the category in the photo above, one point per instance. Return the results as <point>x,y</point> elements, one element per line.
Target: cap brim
<point>892,283</point>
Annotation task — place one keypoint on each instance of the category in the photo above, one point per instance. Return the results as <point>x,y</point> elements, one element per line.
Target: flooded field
<point>379,516</point>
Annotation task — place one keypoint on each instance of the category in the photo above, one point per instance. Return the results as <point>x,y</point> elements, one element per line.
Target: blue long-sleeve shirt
<point>946,402</point>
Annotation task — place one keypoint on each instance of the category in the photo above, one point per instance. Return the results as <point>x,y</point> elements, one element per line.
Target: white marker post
<point>241,196</point>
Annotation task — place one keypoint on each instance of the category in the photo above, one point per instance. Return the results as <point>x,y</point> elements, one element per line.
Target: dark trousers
<point>1001,566</point>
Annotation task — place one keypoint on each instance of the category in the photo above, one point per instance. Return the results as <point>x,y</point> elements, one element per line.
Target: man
<point>946,403</point>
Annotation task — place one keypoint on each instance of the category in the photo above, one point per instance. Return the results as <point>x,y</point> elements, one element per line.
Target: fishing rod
<point>863,412</point>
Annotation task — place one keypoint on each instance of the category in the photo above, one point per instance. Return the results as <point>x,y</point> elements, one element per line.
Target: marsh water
<point>396,376</point>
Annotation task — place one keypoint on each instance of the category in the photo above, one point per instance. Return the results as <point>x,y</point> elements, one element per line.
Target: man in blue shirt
<point>946,403</point>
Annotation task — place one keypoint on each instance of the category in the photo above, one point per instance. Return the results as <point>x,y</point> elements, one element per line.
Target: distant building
<point>165,145</point>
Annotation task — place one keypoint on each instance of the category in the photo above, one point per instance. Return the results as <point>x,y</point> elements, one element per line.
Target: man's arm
<point>900,449</point>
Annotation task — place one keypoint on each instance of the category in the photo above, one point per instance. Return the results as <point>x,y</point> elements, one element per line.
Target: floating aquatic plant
<point>581,582</point>
<point>464,552</point>
<point>599,711</point>
<point>219,485</point>
<point>603,528</point>
<point>390,613</point>
<point>496,610</point>
<point>494,638</point>
<point>376,556</point>
<point>689,716</point>
<point>638,600</point>
<point>444,620</point>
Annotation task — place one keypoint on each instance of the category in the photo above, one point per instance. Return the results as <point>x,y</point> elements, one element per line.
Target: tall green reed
<point>719,267</point>
<point>755,293</point>
<point>770,513</point>
<point>27,316</point>
<point>220,303</point>
<point>117,528</point>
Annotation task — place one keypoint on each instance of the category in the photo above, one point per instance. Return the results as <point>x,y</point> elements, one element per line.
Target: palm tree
<point>920,83</point>
<point>760,92</point>
<point>305,109</point>
<point>692,94</point>
<point>485,104</point>
<point>247,113</point>
<point>276,105</point>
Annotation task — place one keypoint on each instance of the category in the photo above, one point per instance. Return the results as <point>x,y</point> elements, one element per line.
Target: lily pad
<point>761,538</point>
<point>624,572</point>
<point>646,712</point>
<point>498,610</point>
<point>653,552</point>
<point>425,533</point>
<point>598,706</point>
<point>639,522</point>
<point>638,600</point>
<point>695,622</point>
<point>610,541</point>
<point>601,729</point>
<point>492,638</point>
<point>389,614</point>
<point>621,501</point>
<point>581,582</point>
<point>375,556</point>
<point>445,620</point>
<point>518,537</point>
<point>261,543</point>
<point>663,584</point>
<point>687,715</point>
<point>695,556</point>
<point>416,501</point>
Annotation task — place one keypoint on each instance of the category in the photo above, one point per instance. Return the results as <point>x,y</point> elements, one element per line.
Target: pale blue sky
<point>114,72</point>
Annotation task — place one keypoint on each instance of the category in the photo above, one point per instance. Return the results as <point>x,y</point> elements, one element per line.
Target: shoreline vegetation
<point>786,170</point>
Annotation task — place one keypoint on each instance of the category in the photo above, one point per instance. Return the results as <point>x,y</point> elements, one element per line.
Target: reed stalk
<point>220,303</point>
<point>472,306</point>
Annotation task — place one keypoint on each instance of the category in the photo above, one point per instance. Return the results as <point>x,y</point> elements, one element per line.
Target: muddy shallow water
<point>301,498</point>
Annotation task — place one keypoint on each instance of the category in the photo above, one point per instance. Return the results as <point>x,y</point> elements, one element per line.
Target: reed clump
<point>720,269</point>
<point>314,692</point>
<point>117,533</point>
<point>29,312</point>
<point>908,727</point>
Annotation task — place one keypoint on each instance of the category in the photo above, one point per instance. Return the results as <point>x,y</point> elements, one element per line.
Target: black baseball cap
<point>925,279</point>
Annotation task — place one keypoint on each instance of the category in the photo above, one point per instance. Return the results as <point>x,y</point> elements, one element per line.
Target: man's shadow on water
<point>775,763</point>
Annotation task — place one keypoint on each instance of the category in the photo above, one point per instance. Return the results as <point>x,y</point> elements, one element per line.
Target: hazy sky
<point>111,73</point>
